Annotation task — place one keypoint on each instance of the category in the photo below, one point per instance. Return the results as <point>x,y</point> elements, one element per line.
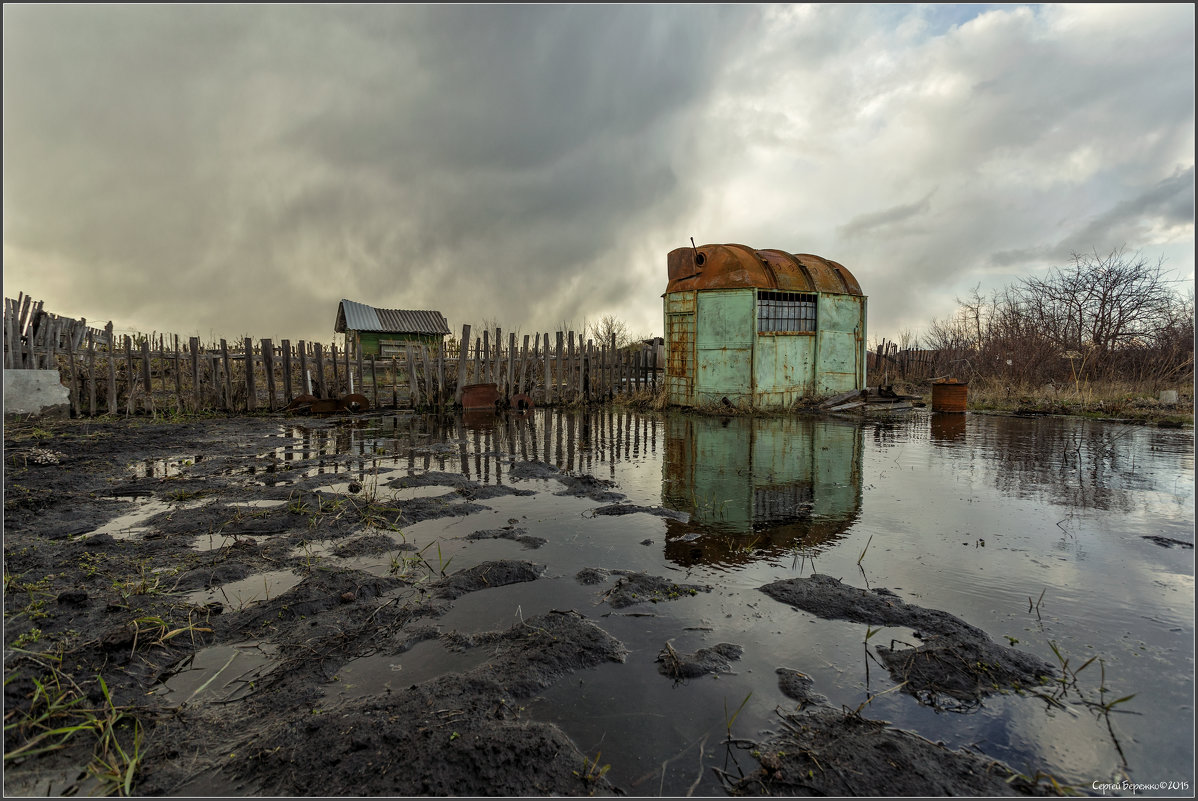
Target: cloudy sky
<point>233,170</point>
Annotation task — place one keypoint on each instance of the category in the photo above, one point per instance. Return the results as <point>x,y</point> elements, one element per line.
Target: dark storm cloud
<point>476,159</point>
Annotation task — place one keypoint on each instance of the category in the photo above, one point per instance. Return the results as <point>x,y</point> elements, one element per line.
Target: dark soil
<point>956,665</point>
<point>100,626</point>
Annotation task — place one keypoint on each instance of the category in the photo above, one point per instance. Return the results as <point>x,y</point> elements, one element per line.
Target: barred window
<point>786,312</point>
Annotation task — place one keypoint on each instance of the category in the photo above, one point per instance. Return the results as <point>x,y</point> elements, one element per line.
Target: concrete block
<point>35,392</point>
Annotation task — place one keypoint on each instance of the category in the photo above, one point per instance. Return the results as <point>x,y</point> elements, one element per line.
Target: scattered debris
<point>871,400</point>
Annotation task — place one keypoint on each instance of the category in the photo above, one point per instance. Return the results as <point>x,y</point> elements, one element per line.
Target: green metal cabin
<point>386,332</point>
<point>760,328</point>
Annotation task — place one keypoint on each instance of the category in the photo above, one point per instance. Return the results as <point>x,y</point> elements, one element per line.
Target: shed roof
<point>355,316</point>
<point>736,266</point>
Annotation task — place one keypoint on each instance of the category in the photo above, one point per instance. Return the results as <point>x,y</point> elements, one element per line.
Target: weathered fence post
<point>112,404</point>
<point>251,394</point>
<point>302,347</point>
<point>486,351</point>
<point>548,374</point>
<point>194,346</point>
<point>73,395</point>
<point>145,375</point>
<point>394,383</point>
<point>522,381</point>
<point>413,386</point>
<point>511,367</point>
<point>463,349</point>
<point>557,367</point>
<point>571,392</point>
<point>319,389</point>
<point>228,377</point>
<point>374,380</point>
<point>268,367</point>
<point>285,346</point>
<point>91,374</point>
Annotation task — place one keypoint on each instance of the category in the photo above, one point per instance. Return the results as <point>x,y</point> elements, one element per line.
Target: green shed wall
<point>713,350</point>
<point>370,341</point>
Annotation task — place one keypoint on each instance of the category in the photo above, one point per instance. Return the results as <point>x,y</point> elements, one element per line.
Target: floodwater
<point>1067,538</point>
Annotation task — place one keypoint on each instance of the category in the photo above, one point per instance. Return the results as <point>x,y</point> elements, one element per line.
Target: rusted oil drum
<point>949,396</point>
<point>480,396</point>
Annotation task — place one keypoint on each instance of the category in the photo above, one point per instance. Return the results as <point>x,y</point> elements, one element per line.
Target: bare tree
<point>610,327</point>
<point>1099,303</point>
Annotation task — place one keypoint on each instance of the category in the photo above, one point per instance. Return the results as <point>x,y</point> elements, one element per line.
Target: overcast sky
<point>233,170</point>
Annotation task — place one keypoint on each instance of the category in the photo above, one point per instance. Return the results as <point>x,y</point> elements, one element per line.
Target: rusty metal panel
<point>725,328</point>
<point>680,347</point>
<point>737,266</point>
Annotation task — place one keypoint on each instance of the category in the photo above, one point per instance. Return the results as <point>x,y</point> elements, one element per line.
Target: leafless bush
<point>1104,318</point>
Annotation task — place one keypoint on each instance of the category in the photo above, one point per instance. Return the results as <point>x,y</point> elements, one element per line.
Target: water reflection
<point>755,488</point>
<point>947,428</point>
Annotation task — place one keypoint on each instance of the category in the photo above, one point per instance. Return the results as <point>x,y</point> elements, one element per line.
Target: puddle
<point>258,504</point>
<point>220,673</point>
<point>428,659</point>
<point>239,594</point>
<point>131,524</point>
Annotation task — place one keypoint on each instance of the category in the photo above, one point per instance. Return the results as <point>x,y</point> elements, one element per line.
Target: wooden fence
<point>888,363</point>
<point>125,374</point>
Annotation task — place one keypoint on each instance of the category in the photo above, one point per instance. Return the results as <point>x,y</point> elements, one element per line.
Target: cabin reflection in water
<point>758,487</point>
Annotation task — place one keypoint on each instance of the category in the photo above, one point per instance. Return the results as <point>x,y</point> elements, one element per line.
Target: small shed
<point>761,328</point>
<point>386,332</point>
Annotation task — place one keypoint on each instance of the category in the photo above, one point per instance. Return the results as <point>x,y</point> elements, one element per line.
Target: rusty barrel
<point>949,396</point>
<point>480,396</point>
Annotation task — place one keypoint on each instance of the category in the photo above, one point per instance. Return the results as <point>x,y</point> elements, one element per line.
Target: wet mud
<point>198,590</point>
<point>954,667</point>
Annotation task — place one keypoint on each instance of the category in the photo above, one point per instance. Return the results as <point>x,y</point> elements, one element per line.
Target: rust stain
<point>739,266</point>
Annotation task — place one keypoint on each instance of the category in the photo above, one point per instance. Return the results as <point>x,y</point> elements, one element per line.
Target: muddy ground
<point>96,625</point>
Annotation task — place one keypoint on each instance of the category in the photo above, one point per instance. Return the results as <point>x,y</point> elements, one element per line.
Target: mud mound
<point>960,669</point>
<point>321,590</point>
<point>957,665</point>
<point>520,535</point>
<point>581,486</point>
<point>488,574</point>
<point>629,509</point>
<point>420,509</point>
<point>635,588</point>
<point>592,575</point>
<point>800,687</point>
<point>531,655</point>
<point>716,659</point>
<point>483,493</point>
<point>369,544</point>
<point>454,736</point>
<point>828,753</point>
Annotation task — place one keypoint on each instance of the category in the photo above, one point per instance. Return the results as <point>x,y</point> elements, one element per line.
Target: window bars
<point>786,312</point>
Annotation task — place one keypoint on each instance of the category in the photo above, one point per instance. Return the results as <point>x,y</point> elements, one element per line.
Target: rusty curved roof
<point>360,317</point>
<point>737,266</point>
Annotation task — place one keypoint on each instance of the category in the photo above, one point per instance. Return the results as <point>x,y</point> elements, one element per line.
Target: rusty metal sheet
<point>738,266</point>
